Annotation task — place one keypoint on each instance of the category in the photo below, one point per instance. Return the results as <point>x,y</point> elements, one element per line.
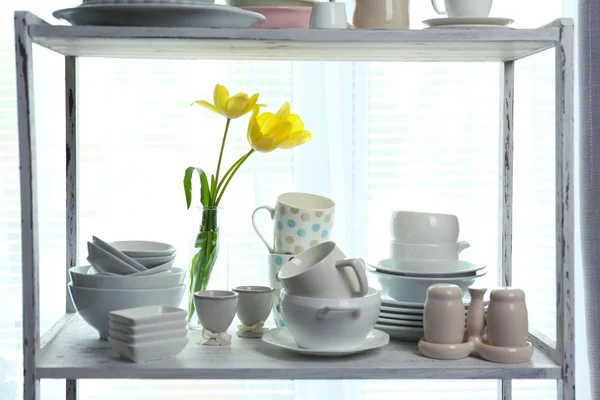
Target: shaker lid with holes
<point>507,293</point>
<point>444,291</point>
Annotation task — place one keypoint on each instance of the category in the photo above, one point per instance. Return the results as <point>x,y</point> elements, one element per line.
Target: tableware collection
<point>122,275</point>
<point>506,325</point>
<point>424,250</point>
<point>148,333</point>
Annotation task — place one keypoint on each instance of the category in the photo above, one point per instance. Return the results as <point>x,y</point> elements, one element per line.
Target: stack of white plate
<point>148,333</point>
<point>124,275</point>
<point>403,320</point>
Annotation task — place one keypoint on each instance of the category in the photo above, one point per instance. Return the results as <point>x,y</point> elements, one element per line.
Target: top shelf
<point>463,45</point>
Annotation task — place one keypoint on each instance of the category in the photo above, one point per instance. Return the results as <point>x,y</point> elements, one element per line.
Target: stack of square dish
<point>148,333</point>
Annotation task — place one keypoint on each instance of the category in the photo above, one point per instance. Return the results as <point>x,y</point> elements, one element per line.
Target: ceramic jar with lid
<point>381,14</point>
<point>444,314</point>
<point>507,320</point>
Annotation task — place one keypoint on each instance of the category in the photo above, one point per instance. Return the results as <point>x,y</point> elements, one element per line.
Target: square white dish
<point>147,315</point>
<point>151,337</point>
<point>149,328</point>
<point>148,351</point>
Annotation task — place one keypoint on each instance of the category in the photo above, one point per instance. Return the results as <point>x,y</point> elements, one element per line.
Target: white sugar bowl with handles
<point>323,271</point>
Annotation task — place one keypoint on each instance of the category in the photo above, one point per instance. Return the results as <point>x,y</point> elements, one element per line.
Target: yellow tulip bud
<point>230,107</point>
<point>268,131</point>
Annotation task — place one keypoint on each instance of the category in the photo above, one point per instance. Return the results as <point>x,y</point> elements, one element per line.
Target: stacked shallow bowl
<point>124,275</point>
<point>424,250</point>
<point>278,13</point>
<point>148,333</point>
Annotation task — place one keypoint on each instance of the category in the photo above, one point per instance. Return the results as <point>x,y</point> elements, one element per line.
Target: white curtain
<point>385,136</point>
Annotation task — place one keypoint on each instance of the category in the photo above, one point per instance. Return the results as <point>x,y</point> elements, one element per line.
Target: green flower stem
<point>242,160</point>
<point>214,194</point>
<point>229,171</point>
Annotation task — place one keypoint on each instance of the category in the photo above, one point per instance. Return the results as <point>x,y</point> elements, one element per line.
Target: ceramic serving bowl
<point>410,251</point>
<point>281,16</point>
<point>330,324</point>
<point>95,304</point>
<point>80,276</point>
<point>414,289</point>
<point>424,227</point>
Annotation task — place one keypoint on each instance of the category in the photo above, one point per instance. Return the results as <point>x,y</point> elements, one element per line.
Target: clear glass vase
<point>209,259</point>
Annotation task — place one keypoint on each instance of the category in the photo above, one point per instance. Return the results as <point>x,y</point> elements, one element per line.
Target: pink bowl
<point>282,16</point>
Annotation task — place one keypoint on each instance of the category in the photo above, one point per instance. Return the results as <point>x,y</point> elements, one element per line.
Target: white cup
<point>424,227</point>
<point>323,272</point>
<point>408,251</point>
<point>464,8</point>
<point>329,15</point>
<point>215,309</point>
<point>254,304</point>
<point>301,221</point>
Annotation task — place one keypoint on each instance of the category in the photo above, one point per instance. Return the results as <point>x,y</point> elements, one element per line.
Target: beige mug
<point>301,221</point>
<point>381,14</point>
<point>323,271</point>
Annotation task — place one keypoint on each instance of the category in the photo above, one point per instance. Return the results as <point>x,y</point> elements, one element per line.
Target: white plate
<point>163,15</point>
<point>465,26</point>
<point>397,322</point>
<point>442,268</point>
<point>486,22</point>
<point>402,333</point>
<point>147,315</point>
<point>281,337</point>
<point>402,311</point>
<point>402,317</point>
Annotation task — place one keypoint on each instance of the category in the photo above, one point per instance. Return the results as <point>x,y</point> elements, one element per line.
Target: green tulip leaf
<point>204,188</point>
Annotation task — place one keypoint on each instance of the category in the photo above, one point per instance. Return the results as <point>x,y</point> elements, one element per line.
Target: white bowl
<point>153,350</point>
<point>144,248</point>
<point>428,268</point>
<point>409,251</point>
<point>103,261</point>
<point>80,276</point>
<point>424,227</point>
<point>153,262</point>
<point>414,289</point>
<point>94,304</point>
<point>330,324</point>
<point>159,269</point>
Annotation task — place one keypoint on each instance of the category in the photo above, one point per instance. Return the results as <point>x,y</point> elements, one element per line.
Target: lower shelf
<point>75,352</point>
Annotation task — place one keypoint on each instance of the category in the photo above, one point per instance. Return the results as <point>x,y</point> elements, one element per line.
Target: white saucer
<point>281,337</point>
<point>468,22</point>
<point>402,333</point>
<point>159,14</point>
<point>401,317</point>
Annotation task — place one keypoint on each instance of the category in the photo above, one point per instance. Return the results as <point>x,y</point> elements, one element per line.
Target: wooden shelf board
<point>75,352</point>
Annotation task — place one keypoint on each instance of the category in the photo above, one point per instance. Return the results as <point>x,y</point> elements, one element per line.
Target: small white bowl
<point>148,351</point>
<point>144,248</point>
<point>152,262</point>
<point>330,324</point>
<point>94,304</point>
<point>80,276</point>
<point>103,261</point>
<point>160,269</point>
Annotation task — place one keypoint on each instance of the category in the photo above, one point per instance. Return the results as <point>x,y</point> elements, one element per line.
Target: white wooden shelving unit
<point>71,350</point>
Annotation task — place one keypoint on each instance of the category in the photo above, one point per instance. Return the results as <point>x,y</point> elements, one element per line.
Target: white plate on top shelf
<point>160,15</point>
<point>489,22</point>
<point>402,333</point>
<point>281,337</point>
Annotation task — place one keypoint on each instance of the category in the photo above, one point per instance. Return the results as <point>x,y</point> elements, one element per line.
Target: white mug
<point>464,8</point>
<point>323,271</point>
<point>328,15</point>
<point>302,220</point>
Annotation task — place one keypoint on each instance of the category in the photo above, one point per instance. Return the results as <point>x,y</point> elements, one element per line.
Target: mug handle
<point>462,245</point>
<point>437,10</point>
<point>322,312</point>
<point>271,211</point>
<point>358,266</point>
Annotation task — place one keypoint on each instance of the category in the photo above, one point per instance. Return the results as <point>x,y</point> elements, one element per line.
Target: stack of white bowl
<point>326,303</point>
<point>148,333</point>
<point>123,275</point>
<point>424,250</point>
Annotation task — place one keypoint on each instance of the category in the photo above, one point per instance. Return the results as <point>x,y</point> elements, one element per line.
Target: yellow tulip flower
<point>230,107</point>
<point>268,131</point>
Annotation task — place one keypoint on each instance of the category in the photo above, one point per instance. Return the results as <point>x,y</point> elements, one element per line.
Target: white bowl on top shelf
<point>153,262</point>
<point>80,276</point>
<point>144,248</point>
<point>95,304</point>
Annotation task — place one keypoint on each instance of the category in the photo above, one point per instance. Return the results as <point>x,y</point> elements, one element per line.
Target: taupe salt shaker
<point>507,319</point>
<point>444,314</point>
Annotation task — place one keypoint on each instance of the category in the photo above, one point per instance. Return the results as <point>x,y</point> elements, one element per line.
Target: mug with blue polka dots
<point>276,261</point>
<point>301,221</point>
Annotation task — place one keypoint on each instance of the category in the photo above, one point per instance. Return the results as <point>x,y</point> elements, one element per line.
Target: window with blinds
<point>386,136</point>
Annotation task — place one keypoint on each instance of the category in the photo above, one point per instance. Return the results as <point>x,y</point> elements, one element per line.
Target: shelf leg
<point>72,393</point>
<point>507,86</point>
<point>29,217</point>
<point>565,219</point>
<point>72,164</point>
